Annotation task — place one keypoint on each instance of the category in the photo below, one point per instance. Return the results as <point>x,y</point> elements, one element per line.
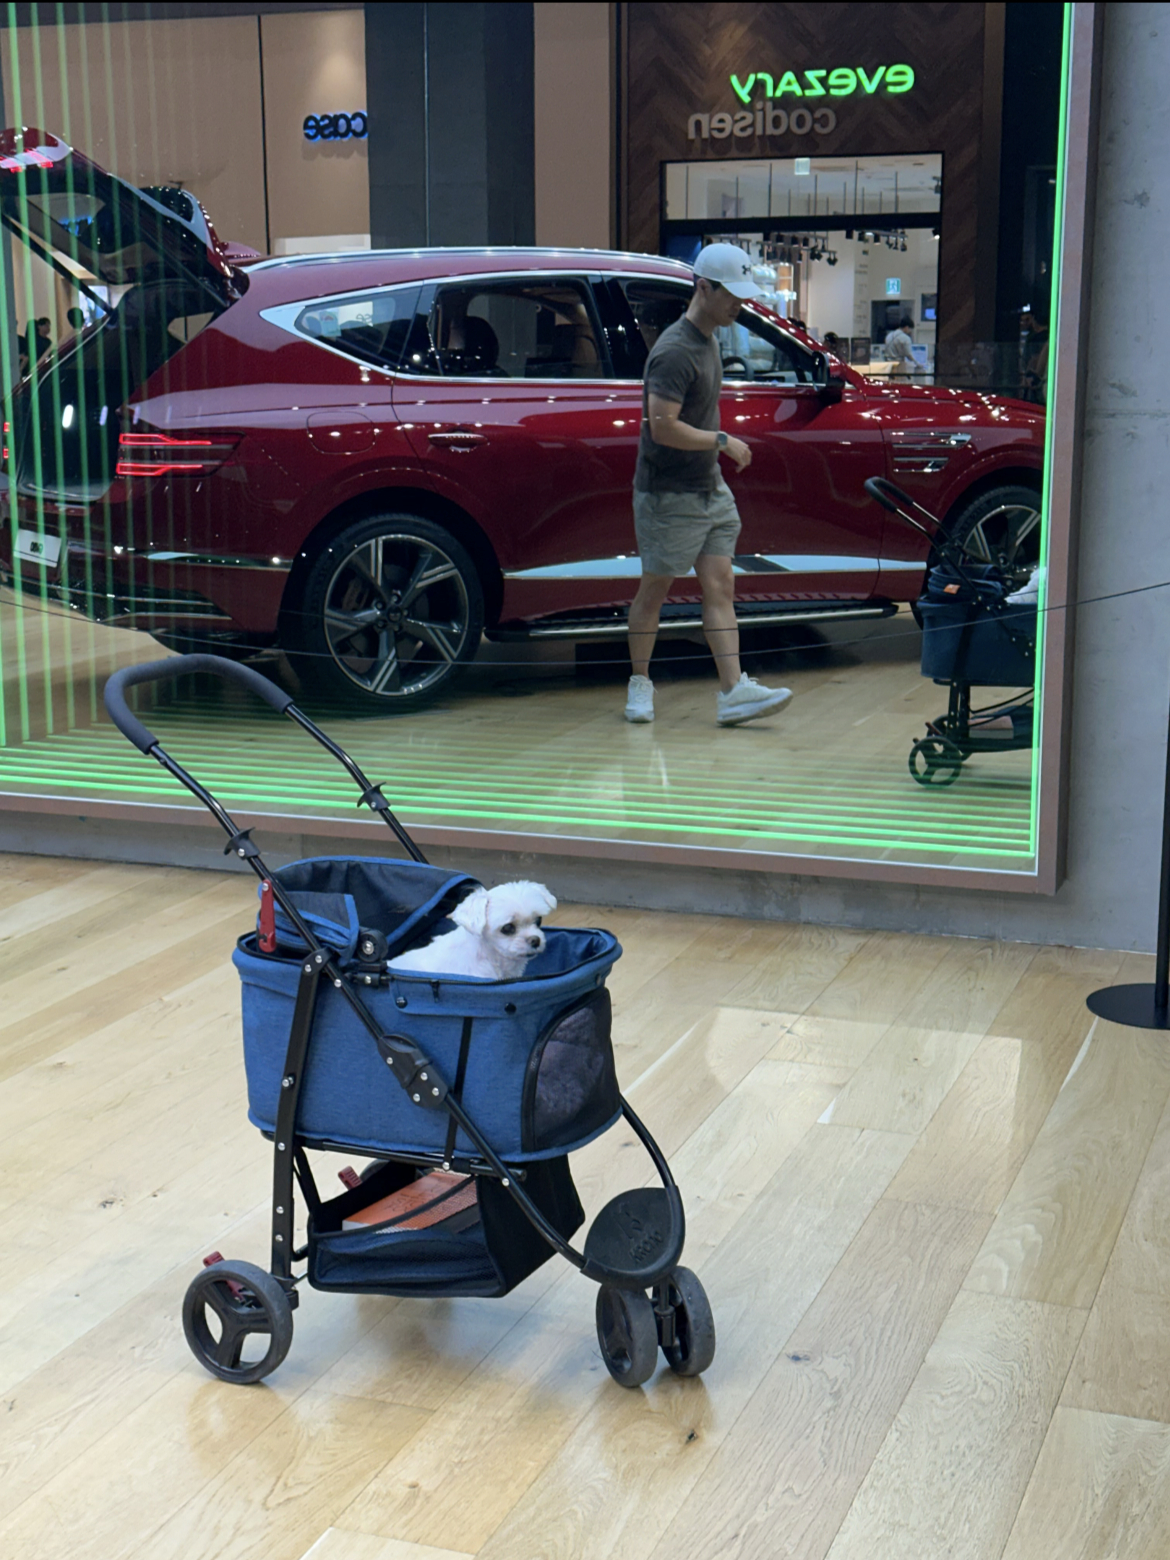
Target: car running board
<point>688,620</point>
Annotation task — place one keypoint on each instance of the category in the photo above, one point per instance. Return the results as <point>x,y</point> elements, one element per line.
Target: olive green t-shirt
<point>684,365</point>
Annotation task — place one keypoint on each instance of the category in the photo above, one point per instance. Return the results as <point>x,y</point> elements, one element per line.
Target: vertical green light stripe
<point>1054,313</point>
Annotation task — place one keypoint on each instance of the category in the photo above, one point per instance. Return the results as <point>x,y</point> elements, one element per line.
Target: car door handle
<point>457,439</point>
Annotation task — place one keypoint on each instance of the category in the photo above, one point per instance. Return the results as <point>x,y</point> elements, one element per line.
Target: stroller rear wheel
<point>225,1306</point>
<point>934,761</point>
<point>627,1332</point>
<point>693,1348</point>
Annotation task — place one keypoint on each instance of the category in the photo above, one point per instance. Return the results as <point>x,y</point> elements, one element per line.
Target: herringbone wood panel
<point>678,60</point>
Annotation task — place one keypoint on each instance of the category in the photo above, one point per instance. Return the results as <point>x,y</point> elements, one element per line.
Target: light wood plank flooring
<point>927,1195</point>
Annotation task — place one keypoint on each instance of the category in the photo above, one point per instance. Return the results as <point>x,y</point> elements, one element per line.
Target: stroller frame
<point>952,738</point>
<point>634,1243</point>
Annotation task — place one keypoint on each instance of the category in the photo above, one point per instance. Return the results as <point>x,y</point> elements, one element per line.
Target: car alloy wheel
<point>394,611</point>
<point>1003,528</point>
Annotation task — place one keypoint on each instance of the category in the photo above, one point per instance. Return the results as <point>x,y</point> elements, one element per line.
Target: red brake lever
<point>267,918</point>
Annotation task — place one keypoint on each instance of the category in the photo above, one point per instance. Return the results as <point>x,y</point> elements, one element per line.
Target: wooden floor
<point>928,1197</point>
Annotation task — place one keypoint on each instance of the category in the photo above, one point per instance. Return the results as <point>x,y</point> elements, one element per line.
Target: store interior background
<point>572,55</point>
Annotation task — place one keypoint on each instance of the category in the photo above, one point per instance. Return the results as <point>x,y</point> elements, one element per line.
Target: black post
<point>1143,1006</point>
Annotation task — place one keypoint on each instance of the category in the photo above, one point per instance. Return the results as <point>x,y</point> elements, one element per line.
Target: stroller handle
<point>887,495</point>
<point>174,666</point>
<point>892,498</point>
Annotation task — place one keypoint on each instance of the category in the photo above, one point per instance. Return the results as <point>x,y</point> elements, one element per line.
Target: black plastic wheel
<point>225,1306</point>
<point>391,613</point>
<point>693,1348</point>
<point>627,1333</point>
<point>934,761</point>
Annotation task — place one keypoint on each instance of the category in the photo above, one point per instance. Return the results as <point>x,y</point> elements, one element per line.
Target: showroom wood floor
<point>928,1197</point>
<point>524,743</point>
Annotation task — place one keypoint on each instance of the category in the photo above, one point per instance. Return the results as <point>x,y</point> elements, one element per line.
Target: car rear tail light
<point>155,454</point>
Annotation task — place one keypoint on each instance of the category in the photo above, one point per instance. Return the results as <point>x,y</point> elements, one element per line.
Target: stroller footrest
<point>637,1238</point>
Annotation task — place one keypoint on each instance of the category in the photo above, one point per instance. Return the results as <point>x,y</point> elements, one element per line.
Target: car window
<point>652,305</point>
<point>513,330</point>
<point>373,328</point>
<point>753,349</point>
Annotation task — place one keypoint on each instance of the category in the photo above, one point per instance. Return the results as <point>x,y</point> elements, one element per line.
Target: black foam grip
<point>177,666</point>
<point>887,495</point>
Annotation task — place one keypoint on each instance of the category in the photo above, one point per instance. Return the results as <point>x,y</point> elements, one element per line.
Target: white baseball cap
<point>730,267</point>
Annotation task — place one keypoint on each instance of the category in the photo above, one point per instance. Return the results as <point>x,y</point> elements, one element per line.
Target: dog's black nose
<point>536,942</point>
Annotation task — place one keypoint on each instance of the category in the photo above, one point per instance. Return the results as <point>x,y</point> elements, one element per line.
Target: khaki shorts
<point>673,529</point>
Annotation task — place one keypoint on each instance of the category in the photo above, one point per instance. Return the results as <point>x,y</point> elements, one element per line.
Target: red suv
<point>372,459</point>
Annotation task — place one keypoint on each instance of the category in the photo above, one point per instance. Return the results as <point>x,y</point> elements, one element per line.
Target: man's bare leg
<point>717,578</point>
<point>643,623</point>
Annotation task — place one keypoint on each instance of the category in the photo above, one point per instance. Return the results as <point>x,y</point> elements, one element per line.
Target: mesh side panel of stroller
<point>539,1079</point>
<point>488,1258</point>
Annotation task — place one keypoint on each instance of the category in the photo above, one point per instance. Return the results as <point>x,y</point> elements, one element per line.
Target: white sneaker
<point>640,701</point>
<point>748,700</point>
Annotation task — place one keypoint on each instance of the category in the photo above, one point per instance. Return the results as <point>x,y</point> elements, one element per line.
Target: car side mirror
<point>829,390</point>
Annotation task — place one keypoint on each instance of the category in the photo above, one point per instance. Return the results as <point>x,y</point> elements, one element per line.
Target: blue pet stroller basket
<point>971,635</point>
<point>494,1082</point>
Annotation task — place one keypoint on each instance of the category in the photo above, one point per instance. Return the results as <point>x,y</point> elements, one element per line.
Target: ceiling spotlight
<point>831,257</point>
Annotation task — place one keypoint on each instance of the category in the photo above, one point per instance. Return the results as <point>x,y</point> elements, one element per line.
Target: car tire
<point>390,615</point>
<point>1001,527</point>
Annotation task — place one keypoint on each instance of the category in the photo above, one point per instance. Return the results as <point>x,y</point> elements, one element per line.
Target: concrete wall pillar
<point>450,97</point>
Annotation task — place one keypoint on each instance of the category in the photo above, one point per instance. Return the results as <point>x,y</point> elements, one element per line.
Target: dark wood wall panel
<point>679,59</point>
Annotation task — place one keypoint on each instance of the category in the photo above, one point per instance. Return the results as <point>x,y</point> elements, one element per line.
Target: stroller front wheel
<point>934,761</point>
<point>627,1333</point>
<point>693,1348</point>
<point>225,1307</point>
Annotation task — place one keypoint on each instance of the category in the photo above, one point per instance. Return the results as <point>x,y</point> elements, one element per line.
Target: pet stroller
<point>971,635</point>
<point>483,1086</point>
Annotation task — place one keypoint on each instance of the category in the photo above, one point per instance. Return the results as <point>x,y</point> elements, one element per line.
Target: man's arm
<point>667,429</point>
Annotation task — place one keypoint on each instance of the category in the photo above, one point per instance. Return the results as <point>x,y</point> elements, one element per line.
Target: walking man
<point>684,513</point>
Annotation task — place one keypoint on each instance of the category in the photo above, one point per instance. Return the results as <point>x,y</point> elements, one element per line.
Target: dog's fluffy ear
<point>471,913</point>
<point>536,897</point>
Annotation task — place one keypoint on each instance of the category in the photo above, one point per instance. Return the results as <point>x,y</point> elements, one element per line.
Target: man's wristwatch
<point>721,440</point>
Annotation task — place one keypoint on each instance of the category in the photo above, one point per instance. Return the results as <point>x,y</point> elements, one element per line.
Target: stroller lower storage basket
<point>487,1258</point>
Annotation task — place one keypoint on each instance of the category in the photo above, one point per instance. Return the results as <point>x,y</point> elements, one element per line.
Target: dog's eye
<point>539,920</point>
<point>508,930</point>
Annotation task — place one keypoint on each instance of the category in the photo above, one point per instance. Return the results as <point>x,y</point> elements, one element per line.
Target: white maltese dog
<point>496,932</point>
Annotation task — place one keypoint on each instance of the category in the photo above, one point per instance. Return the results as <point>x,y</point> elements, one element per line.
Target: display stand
<point>1144,1006</point>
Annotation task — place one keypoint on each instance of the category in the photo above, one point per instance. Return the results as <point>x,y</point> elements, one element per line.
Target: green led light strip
<point>238,755</point>
<point>1050,396</point>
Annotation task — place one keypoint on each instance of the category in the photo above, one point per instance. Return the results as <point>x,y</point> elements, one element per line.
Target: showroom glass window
<point>374,327</point>
<point>521,329</point>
